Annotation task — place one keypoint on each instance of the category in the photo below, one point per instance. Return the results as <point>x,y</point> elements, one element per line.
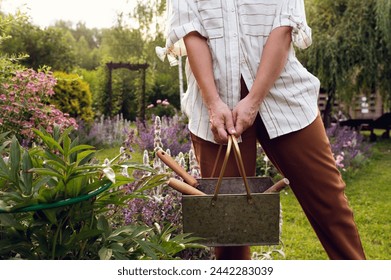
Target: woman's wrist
<point>211,99</point>
<point>255,97</point>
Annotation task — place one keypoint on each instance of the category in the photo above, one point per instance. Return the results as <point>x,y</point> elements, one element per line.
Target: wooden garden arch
<point>132,67</point>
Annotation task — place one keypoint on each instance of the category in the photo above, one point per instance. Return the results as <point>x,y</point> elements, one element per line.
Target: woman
<point>244,79</point>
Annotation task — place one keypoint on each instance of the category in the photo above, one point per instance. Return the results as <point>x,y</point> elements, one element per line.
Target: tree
<point>78,49</point>
<point>383,15</point>
<point>148,15</point>
<point>52,47</point>
<point>87,43</point>
<point>56,49</point>
<point>136,45</point>
<point>348,53</point>
<point>163,79</point>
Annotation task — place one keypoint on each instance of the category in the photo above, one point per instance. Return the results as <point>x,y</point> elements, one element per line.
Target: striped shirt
<point>236,32</point>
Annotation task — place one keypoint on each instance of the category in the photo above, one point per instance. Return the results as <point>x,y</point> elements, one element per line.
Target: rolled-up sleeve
<point>292,13</point>
<point>182,19</point>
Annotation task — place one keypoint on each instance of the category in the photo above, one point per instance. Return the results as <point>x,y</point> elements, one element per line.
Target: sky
<point>94,13</point>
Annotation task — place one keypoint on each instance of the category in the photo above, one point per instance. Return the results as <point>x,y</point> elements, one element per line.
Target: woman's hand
<point>244,114</point>
<point>221,121</point>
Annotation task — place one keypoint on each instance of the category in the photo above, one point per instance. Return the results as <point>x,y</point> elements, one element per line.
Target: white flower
<point>108,171</point>
<point>125,171</point>
<point>146,158</point>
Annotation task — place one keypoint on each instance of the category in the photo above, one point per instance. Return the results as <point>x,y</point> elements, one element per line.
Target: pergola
<point>132,67</point>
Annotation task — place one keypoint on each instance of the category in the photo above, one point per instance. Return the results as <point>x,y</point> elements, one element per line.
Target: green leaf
<point>152,182</point>
<point>80,148</point>
<point>105,253</point>
<point>27,176</point>
<point>47,155</point>
<point>15,158</point>
<point>10,220</point>
<point>66,145</point>
<point>119,256</point>
<point>185,238</point>
<point>55,163</point>
<point>46,171</point>
<point>45,195</point>
<point>131,230</point>
<point>117,248</point>
<point>138,166</point>
<point>3,135</point>
<point>65,133</point>
<point>104,226</point>
<point>84,156</point>
<point>49,141</point>
<point>51,215</point>
<point>40,182</point>
<point>147,248</point>
<point>87,167</point>
<point>95,185</point>
<point>4,145</point>
<point>87,233</point>
<point>4,171</point>
<point>74,186</point>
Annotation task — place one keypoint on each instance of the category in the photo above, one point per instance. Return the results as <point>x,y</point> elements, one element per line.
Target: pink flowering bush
<point>161,108</point>
<point>24,105</point>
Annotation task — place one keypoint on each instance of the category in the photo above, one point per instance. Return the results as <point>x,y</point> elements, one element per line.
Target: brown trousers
<point>305,158</point>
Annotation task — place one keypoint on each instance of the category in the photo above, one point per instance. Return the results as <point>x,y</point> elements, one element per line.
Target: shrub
<point>349,148</point>
<point>161,109</point>
<point>57,172</point>
<point>23,105</point>
<point>73,96</point>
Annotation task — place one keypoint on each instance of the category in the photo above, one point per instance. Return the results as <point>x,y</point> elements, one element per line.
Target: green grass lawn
<point>369,194</point>
<point>370,197</point>
<point>112,152</point>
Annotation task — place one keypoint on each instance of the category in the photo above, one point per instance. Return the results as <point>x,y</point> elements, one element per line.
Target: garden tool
<point>189,187</point>
<point>170,162</point>
<point>183,187</point>
<point>278,186</point>
<point>186,189</point>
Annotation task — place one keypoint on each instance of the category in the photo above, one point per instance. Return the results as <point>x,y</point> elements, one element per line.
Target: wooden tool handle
<point>277,187</point>
<point>170,162</point>
<point>183,187</point>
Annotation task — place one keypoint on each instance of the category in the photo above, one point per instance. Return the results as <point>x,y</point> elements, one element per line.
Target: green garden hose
<point>60,203</point>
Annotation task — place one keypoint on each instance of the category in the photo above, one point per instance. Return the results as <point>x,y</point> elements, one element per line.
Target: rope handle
<point>232,141</point>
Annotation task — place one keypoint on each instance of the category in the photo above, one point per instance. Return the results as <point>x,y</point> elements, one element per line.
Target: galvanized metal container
<point>231,220</point>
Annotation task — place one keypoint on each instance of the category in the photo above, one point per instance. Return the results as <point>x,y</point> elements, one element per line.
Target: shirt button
<point>235,34</point>
<point>233,10</point>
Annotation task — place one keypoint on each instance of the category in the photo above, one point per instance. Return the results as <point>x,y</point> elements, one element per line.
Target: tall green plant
<point>58,173</point>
